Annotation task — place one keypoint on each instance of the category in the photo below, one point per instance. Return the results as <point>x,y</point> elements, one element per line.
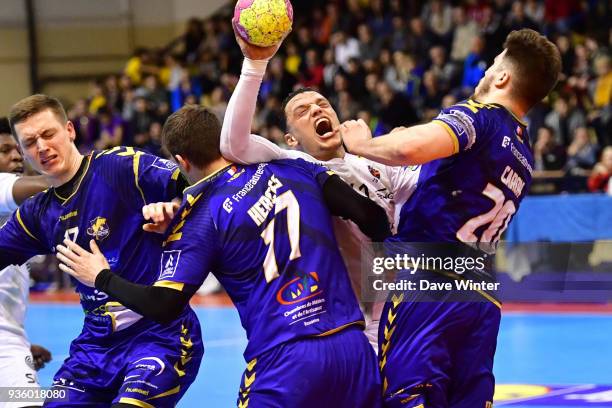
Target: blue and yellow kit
<point>119,355</point>
<point>440,353</point>
<point>263,230</point>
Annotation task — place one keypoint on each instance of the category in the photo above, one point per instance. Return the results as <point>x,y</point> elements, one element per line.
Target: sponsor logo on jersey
<point>30,362</point>
<point>299,289</point>
<point>374,172</point>
<point>505,141</point>
<point>250,184</point>
<point>227,205</point>
<point>150,364</point>
<point>98,228</point>
<point>169,262</point>
<point>164,164</point>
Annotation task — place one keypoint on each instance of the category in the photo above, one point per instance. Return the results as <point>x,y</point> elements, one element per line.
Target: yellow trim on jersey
<point>451,133</point>
<point>136,165</point>
<point>134,401</point>
<point>169,284</point>
<point>208,177</point>
<point>175,175</point>
<point>337,329</point>
<point>27,231</point>
<point>174,390</point>
<point>511,113</point>
<point>65,200</point>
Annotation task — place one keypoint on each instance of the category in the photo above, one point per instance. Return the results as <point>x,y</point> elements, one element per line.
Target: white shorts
<point>16,368</point>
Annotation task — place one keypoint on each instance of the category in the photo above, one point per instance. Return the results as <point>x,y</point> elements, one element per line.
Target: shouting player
<point>478,169</point>
<point>18,359</point>
<point>312,126</point>
<point>119,358</point>
<point>265,232</point>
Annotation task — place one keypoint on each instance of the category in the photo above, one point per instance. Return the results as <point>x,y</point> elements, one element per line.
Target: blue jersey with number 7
<point>265,233</point>
<point>472,195</point>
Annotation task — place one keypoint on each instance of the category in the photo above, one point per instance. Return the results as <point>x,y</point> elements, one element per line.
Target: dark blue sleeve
<point>466,123</point>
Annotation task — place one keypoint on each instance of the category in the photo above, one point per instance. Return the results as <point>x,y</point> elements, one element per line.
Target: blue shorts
<point>147,364</point>
<point>438,354</point>
<point>337,371</point>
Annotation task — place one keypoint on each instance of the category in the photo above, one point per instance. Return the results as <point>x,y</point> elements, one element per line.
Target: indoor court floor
<point>547,357</point>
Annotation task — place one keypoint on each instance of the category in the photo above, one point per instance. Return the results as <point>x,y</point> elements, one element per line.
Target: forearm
<point>343,201</point>
<point>415,145</point>
<point>160,304</point>
<point>237,143</point>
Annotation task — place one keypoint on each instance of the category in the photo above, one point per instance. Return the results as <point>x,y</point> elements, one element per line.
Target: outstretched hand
<point>254,52</point>
<point>82,265</point>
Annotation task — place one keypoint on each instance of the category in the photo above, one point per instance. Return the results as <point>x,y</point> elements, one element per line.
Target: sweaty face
<point>10,158</point>
<point>311,121</point>
<point>46,143</point>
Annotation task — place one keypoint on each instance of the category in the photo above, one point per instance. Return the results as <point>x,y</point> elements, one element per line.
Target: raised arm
<point>237,142</point>
<point>414,145</point>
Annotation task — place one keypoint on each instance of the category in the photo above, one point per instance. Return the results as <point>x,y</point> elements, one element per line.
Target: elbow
<point>168,315</point>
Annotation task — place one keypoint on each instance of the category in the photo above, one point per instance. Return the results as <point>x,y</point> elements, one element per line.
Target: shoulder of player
<point>119,155</point>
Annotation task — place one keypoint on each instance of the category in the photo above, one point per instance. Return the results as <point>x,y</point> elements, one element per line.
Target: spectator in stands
<point>474,66</point>
<point>369,47</point>
<point>97,99</point>
<point>110,129</point>
<point>548,154</point>
<point>581,153</point>
<point>600,177</point>
<point>464,34</point>
<point>345,48</point>
<point>438,17</point>
<point>564,119</point>
<point>312,72</point>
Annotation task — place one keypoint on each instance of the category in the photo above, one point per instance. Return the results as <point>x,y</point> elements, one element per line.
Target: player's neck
<point>74,163</point>
<point>507,102</point>
<point>336,154</point>
<point>195,174</point>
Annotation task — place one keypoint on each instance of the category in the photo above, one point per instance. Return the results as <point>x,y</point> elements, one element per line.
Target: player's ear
<point>291,140</point>
<point>71,131</point>
<point>184,164</point>
<point>502,78</point>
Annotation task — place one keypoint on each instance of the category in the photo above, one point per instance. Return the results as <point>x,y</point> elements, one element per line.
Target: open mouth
<point>323,126</point>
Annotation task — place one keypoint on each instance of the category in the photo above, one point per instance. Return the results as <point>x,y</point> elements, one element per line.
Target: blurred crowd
<point>390,62</point>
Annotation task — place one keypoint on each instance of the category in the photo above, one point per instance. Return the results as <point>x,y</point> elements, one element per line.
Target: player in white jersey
<point>312,126</point>
<point>18,359</point>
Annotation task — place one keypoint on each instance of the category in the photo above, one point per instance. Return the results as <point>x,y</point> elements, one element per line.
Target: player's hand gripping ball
<point>263,22</point>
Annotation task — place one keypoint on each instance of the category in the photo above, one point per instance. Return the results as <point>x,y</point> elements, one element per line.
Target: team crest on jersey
<point>374,172</point>
<point>169,262</point>
<point>299,289</point>
<point>98,228</point>
<point>233,171</point>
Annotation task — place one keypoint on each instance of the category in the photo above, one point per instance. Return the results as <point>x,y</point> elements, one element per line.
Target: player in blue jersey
<point>477,167</point>
<point>120,358</point>
<point>265,232</point>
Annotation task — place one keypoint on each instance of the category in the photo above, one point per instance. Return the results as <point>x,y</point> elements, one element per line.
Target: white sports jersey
<point>7,203</point>
<point>388,186</point>
<point>14,288</point>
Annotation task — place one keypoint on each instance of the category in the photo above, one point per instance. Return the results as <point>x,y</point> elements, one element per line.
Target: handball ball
<point>263,22</point>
